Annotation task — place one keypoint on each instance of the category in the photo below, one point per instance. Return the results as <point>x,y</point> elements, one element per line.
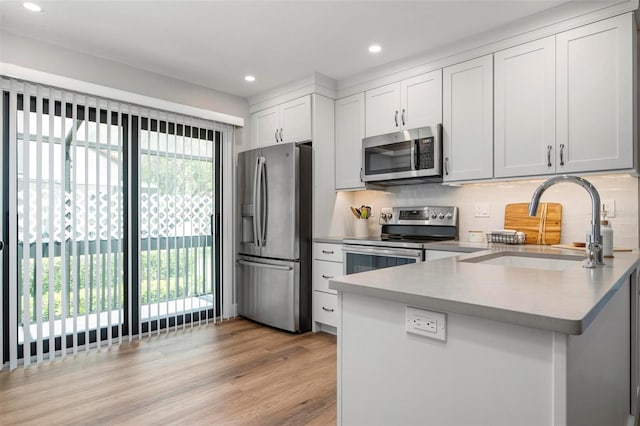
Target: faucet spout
<point>594,245</point>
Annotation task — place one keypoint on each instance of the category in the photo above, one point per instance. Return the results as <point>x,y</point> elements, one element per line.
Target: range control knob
<point>383,216</point>
<point>441,216</point>
<point>434,215</point>
<point>449,215</point>
<point>389,216</point>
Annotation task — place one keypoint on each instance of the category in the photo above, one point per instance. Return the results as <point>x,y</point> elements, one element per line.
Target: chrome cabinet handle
<point>327,251</point>
<point>548,155</point>
<point>396,118</point>
<point>562,154</point>
<point>281,135</point>
<point>276,135</point>
<point>327,310</point>
<point>327,277</point>
<point>446,166</point>
<point>402,116</point>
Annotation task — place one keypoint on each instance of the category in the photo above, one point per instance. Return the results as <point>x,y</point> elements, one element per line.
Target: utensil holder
<point>362,228</point>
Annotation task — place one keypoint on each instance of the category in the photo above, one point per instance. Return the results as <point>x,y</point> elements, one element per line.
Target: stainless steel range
<point>405,233</point>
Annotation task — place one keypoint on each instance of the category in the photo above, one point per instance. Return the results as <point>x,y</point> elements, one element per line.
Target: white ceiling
<point>216,43</point>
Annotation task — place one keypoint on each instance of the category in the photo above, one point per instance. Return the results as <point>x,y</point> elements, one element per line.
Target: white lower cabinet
<point>327,264</point>
<point>325,308</point>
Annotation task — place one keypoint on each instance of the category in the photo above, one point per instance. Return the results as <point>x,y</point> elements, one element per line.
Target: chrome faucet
<point>594,245</point>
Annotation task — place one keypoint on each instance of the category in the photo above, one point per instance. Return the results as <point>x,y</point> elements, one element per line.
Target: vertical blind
<point>111,220</point>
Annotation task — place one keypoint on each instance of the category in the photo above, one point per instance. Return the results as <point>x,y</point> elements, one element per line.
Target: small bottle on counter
<point>607,238</point>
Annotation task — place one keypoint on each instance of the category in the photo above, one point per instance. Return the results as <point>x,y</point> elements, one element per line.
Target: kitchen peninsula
<point>530,338</point>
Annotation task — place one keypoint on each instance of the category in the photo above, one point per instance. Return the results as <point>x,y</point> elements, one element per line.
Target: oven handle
<point>417,254</point>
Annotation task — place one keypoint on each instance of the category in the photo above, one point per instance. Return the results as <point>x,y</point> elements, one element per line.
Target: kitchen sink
<point>555,262</point>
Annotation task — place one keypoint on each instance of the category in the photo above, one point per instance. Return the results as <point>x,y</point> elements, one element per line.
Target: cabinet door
<point>595,96</point>
<point>264,127</point>
<point>349,134</point>
<point>421,100</point>
<point>383,110</point>
<point>525,113</point>
<point>467,120</point>
<point>296,120</point>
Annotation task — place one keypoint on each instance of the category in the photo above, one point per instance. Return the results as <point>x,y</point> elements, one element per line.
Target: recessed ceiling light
<point>249,78</point>
<point>32,7</point>
<point>375,48</point>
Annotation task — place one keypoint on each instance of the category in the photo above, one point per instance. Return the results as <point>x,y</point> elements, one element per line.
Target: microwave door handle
<point>414,152</point>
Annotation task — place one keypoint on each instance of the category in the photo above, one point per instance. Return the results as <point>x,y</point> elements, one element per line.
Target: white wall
<point>576,204</point>
<point>53,59</point>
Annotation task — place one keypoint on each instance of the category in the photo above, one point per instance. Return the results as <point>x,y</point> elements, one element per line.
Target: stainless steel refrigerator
<point>273,284</point>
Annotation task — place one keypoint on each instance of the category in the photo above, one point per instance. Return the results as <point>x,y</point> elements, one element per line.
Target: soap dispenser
<point>607,235</point>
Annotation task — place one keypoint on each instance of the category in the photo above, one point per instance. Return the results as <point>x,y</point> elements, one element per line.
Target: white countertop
<point>565,301</point>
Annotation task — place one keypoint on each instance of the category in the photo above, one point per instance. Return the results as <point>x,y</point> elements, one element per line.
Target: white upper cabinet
<point>295,124</point>
<point>349,133</point>
<point>265,126</point>
<point>421,100</point>
<point>467,120</point>
<point>595,96</point>
<point>287,122</point>
<point>411,103</point>
<point>383,110</point>
<point>525,110</point>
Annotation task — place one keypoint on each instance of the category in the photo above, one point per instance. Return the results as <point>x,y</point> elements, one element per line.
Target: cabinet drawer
<point>325,308</point>
<point>325,251</point>
<point>324,271</point>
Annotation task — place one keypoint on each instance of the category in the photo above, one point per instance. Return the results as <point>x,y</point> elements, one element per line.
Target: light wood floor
<point>236,372</point>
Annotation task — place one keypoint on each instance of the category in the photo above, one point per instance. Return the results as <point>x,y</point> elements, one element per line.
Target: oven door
<point>366,258</point>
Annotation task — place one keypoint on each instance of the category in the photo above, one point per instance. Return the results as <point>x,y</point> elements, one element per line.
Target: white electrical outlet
<point>427,323</point>
<point>609,206</point>
<point>482,210</point>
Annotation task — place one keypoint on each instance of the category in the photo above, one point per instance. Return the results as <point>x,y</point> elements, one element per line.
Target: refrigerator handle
<point>263,201</point>
<point>264,265</point>
<point>256,234</point>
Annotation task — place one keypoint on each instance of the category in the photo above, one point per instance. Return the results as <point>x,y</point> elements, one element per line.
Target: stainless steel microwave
<point>409,156</point>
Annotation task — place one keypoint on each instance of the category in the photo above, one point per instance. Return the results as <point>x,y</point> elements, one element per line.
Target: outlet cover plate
<point>482,210</point>
<point>426,323</point>
<point>609,206</point>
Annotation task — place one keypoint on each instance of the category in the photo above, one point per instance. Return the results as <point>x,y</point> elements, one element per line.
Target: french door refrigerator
<point>273,284</point>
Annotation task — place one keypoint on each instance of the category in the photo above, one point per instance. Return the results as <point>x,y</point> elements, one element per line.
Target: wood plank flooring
<point>234,373</point>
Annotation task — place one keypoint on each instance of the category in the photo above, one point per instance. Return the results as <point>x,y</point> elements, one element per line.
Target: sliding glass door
<point>177,223</point>
<point>67,173</point>
<point>109,219</point>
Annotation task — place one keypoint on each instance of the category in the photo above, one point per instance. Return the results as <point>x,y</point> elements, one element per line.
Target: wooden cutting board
<point>539,229</point>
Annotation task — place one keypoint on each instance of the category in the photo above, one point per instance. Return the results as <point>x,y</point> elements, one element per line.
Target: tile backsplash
<point>576,204</point>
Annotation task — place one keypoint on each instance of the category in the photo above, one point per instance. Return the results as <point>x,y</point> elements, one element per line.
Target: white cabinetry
<point>411,103</point>
<point>327,264</point>
<point>525,110</point>
<point>287,122</point>
<point>564,104</point>
<point>467,103</point>
<point>349,134</point>
<point>595,87</point>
